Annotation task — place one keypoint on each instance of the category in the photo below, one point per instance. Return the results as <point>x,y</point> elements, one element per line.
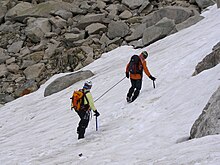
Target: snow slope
<point>152,130</point>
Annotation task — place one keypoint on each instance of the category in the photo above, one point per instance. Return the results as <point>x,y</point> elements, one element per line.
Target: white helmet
<point>88,85</point>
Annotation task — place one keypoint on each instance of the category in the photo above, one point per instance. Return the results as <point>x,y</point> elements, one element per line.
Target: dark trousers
<point>135,89</point>
<point>83,123</point>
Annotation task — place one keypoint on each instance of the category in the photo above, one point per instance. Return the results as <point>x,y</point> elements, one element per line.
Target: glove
<point>127,74</point>
<point>96,113</point>
<point>152,78</point>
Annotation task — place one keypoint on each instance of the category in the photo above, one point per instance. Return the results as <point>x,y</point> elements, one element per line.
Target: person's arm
<point>127,71</point>
<point>91,102</point>
<point>146,71</point>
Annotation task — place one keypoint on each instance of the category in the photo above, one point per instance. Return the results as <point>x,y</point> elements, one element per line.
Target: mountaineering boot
<point>80,136</point>
<point>128,100</point>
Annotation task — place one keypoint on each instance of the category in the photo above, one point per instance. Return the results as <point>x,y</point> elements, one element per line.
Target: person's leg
<point>138,84</point>
<point>131,90</point>
<point>83,124</point>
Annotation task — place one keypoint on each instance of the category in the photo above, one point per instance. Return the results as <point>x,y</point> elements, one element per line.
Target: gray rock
<point>208,122</point>
<point>3,70</point>
<point>36,28</point>
<point>10,60</point>
<point>133,4</point>
<point>64,14</point>
<point>3,10</point>
<point>204,3</point>
<point>27,63</point>
<point>3,56</point>
<point>125,14</point>
<point>4,98</point>
<point>26,88</point>
<point>58,22</point>
<point>209,61</point>
<point>89,19</point>
<point>15,47</point>
<point>17,10</point>
<point>35,34</point>
<point>34,71</point>
<point>24,51</point>
<point>42,23</point>
<point>159,31</point>
<point>189,22</point>
<point>117,29</point>
<point>66,81</point>
<point>137,33</point>
<point>95,28</point>
<point>44,10</point>
<point>36,56</point>
<point>51,48</point>
<point>13,68</point>
<point>178,14</point>
<point>72,37</point>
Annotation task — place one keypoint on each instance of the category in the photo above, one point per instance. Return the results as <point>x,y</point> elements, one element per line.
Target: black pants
<point>135,89</point>
<point>83,123</point>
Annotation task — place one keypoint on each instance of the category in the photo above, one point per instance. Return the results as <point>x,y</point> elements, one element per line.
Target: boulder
<point>157,32</point>
<point>95,28</point>
<point>51,48</point>
<point>36,56</point>
<point>205,3</point>
<point>133,4</point>
<point>4,98</point>
<point>17,10</point>
<point>189,22</point>
<point>209,61</point>
<point>66,81</point>
<point>3,56</point>
<point>137,33</point>
<point>36,28</point>
<point>34,71</point>
<point>44,10</point>
<point>208,121</point>
<point>125,15</point>
<point>26,88</point>
<point>58,22</point>
<point>13,68</point>
<point>3,11</point>
<point>64,14</point>
<point>3,71</point>
<point>117,29</point>
<point>15,47</point>
<point>178,14</point>
<point>89,19</point>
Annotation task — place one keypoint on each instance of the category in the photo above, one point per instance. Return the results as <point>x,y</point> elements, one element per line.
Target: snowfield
<point>153,130</point>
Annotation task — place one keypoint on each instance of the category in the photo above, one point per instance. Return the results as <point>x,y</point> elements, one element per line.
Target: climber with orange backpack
<point>82,103</point>
<point>134,70</point>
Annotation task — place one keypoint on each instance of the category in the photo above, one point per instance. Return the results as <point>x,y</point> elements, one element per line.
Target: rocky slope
<point>40,38</point>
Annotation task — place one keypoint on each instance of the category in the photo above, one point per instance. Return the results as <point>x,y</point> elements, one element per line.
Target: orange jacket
<point>139,76</point>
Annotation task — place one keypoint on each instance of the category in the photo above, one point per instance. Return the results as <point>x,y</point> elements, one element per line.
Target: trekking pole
<point>154,84</point>
<point>96,123</point>
<point>109,89</point>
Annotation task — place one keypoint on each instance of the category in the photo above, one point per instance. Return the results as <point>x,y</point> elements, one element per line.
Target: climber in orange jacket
<point>135,68</point>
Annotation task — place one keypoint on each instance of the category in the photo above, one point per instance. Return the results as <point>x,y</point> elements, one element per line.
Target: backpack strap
<point>85,106</point>
<point>84,93</point>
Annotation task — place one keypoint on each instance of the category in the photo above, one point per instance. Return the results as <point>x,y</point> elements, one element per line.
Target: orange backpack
<point>78,100</point>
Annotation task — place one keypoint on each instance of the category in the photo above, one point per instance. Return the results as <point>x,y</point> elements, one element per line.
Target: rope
<point>109,89</point>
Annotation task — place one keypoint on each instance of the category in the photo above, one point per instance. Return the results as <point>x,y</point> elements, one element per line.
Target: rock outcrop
<point>210,61</point>
<point>208,122</point>
<point>66,81</point>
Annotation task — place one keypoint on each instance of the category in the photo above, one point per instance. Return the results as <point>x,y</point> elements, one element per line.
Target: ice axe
<point>154,84</point>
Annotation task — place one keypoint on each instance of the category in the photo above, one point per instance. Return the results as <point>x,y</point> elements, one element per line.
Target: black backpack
<point>135,65</point>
